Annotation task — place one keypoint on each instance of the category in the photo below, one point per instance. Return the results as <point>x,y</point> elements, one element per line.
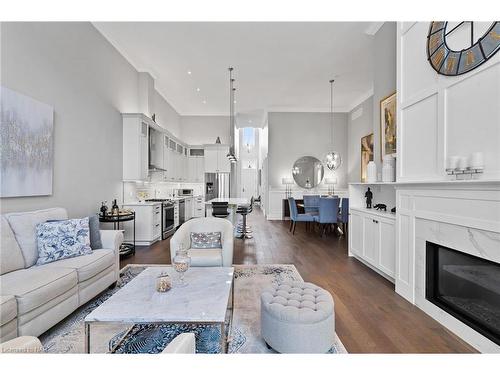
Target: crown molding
<point>361,99</point>
<point>308,109</point>
<point>373,28</point>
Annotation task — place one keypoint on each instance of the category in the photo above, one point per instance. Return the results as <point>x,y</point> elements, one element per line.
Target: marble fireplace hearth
<point>465,218</point>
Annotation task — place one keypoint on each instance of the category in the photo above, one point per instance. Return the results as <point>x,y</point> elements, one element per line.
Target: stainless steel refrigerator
<point>217,185</point>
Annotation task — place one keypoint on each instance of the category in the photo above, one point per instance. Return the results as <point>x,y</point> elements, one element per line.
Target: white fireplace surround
<point>462,216</point>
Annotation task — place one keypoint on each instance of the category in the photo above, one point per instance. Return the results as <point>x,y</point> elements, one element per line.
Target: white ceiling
<point>278,66</point>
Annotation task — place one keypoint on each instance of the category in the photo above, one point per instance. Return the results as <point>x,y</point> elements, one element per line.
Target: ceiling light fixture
<point>230,155</point>
<point>189,72</point>
<point>198,89</point>
<point>332,159</point>
<point>204,102</point>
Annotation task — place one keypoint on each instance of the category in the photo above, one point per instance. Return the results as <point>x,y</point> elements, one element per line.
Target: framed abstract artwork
<point>26,131</point>
<point>366,154</point>
<point>388,126</point>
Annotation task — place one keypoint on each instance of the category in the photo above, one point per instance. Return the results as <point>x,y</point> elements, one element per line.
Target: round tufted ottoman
<point>297,317</point>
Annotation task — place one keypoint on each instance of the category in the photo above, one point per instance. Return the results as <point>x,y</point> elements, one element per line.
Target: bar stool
<point>220,209</point>
<point>243,230</point>
<point>240,225</point>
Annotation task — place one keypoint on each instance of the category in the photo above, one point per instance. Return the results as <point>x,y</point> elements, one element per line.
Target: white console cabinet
<point>372,239</point>
<point>372,233</point>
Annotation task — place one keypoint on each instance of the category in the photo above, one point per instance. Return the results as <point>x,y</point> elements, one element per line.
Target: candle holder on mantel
<point>464,174</point>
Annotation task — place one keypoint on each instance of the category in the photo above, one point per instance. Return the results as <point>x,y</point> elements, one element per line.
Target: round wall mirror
<point>308,172</point>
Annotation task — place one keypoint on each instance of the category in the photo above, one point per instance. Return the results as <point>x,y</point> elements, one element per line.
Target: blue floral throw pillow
<point>62,239</point>
<point>206,240</point>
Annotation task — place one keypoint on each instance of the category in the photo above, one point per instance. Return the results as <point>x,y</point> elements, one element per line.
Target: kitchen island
<point>233,205</point>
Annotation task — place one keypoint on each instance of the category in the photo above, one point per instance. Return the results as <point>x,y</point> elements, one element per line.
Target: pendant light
<point>230,155</point>
<point>332,159</point>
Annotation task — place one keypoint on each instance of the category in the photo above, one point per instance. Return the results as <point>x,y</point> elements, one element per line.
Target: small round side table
<point>126,248</point>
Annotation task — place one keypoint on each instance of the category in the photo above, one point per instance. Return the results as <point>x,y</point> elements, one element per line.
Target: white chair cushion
<point>205,257</point>
<point>297,302</point>
<point>23,225</point>
<point>185,343</point>
<point>8,309</point>
<point>11,257</point>
<point>35,286</point>
<point>86,266</point>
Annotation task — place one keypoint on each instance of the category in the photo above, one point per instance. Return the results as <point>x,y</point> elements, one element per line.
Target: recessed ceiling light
<point>189,72</point>
<point>198,89</point>
<point>234,102</point>
<point>204,102</point>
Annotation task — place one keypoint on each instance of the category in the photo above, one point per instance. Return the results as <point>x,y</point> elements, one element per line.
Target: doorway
<point>249,183</point>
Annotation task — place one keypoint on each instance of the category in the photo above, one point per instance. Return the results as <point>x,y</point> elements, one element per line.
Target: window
<point>249,137</point>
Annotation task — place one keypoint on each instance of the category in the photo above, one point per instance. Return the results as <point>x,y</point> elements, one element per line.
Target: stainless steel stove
<point>167,216</point>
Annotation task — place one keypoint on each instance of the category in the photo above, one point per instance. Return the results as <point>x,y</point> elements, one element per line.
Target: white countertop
<point>231,201</point>
<point>141,203</point>
<point>204,299</point>
<point>372,211</point>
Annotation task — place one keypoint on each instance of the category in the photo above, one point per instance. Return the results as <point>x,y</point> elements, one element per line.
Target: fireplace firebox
<point>465,286</point>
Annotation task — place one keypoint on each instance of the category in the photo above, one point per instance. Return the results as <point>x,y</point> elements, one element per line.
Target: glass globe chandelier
<point>332,159</point>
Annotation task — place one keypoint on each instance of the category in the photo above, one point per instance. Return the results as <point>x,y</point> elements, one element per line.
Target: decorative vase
<point>181,264</point>
<point>371,172</point>
<point>388,174</point>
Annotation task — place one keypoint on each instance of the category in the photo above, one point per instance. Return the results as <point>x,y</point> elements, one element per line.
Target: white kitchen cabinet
<point>171,174</point>
<point>191,169</point>
<point>135,147</point>
<point>156,149</point>
<point>211,160</point>
<point>196,169</point>
<point>387,247</point>
<point>355,226</point>
<point>216,160</point>
<point>176,214</point>
<point>147,224</point>
<point>370,248</point>
<point>188,208</point>
<point>166,158</point>
<point>199,207</point>
<point>372,239</point>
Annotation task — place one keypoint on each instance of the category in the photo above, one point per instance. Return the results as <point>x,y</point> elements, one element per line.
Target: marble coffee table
<point>204,300</point>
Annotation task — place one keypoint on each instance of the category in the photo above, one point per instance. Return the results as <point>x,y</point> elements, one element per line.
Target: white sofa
<point>34,298</point>
<point>205,257</point>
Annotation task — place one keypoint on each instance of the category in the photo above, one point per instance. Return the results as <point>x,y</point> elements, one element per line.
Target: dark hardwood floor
<point>369,316</point>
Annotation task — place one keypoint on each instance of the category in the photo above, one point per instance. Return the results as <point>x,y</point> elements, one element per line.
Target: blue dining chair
<point>344,215</point>
<point>311,204</point>
<point>295,216</point>
<point>328,213</point>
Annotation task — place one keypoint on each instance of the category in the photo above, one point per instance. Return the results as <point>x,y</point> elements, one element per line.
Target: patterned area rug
<point>68,336</point>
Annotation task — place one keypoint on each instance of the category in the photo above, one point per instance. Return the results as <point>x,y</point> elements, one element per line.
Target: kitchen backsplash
<point>135,191</point>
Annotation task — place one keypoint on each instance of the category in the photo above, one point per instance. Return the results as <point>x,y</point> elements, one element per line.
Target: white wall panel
<point>463,118</point>
<point>417,74</point>
<point>473,118</point>
<point>418,147</point>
